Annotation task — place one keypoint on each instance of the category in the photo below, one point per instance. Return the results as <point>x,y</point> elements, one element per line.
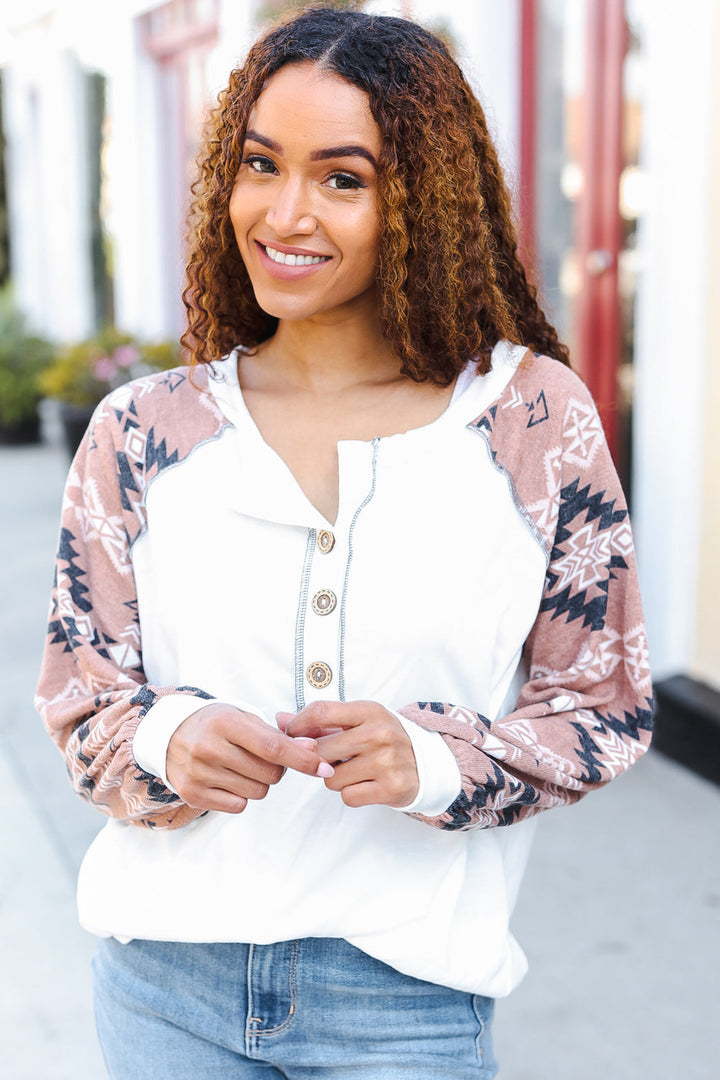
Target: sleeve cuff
<point>160,723</point>
<point>438,771</point>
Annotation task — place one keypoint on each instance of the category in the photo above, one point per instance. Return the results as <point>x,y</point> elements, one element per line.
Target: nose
<point>290,213</point>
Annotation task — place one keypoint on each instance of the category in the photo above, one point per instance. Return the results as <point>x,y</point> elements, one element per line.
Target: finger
<point>366,793</point>
<point>369,738</point>
<point>310,743</point>
<point>275,746</point>
<point>225,760</point>
<point>371,793</point>
<point>225,802</point>
<point>245,787</point>
<point>394,780</point>
<point>323,717</point>
<point>283,719</point>
<point>356,770</point>
<point>339,747</point>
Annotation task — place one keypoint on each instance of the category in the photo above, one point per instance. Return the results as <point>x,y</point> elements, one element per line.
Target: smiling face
<point>304,205</point>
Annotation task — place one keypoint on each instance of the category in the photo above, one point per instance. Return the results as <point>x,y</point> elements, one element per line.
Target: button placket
<point>325,541</point>
<point>321,626</point>
<point>319,674</point>
<point>324,602</point>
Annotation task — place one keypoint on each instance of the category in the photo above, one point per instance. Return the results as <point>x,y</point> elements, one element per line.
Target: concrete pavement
<point>619,915</point>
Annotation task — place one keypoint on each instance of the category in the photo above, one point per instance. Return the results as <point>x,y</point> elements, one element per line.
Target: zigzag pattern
<point>487,796</point>
<point>538,410</point>
<point>70,632</point>
<point>156,790</point>
<point>157,457</point>
<point>593,756</point>
<point>67,553</point>
<point>467,715</point>
<point>551,749</point>
<point>575,501</point>
<point>126,480</point>
<point>134,476</point>
<point>145,697</point>
<point>93,683</point>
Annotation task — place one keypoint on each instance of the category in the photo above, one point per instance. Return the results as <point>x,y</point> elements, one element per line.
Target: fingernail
<point>325,770</point>
<point>303,741</point>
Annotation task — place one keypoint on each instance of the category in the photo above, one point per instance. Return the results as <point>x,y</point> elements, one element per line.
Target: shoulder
<point>137,432</point>
<point>544,434</point>
<point>556,378</point>
<point>538,394</point>
<point>170,408</point>
<point>544,405</point>
<point>550,386</point>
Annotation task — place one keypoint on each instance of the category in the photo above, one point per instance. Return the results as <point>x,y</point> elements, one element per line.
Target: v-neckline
<point>341,444</point>
<point>274,493</point>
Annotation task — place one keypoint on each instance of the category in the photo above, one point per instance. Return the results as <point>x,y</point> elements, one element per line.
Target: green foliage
<point>23,357</point>
<point>82,374</point>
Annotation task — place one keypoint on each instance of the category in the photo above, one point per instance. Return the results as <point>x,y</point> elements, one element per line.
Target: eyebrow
<point>316,155</point>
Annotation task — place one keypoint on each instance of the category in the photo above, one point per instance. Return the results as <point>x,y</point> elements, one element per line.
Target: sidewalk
<point>619,915</point>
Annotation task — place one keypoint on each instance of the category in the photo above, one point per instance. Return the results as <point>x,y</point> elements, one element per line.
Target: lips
<point>287,264</point>
<point>290,259</point>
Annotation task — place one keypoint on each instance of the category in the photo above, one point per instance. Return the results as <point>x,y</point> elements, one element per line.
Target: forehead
<point>307,105</point>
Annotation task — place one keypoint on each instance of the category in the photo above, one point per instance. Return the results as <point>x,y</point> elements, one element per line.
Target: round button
<point>325,541</point>
<point>324,602</point>
<point>318,675</point>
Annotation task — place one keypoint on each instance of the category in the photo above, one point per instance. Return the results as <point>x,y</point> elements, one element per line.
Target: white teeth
<point>294,260</point>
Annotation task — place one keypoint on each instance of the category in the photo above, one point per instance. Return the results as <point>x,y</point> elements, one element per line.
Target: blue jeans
<point>317,1007</point>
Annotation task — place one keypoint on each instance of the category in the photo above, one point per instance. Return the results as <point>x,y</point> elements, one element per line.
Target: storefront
<point>606,115</point>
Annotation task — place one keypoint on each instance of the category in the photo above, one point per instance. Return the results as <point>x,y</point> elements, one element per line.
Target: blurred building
<point>606,115</point>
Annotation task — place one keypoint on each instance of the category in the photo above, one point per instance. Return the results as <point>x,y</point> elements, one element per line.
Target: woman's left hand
<point>372,756</point>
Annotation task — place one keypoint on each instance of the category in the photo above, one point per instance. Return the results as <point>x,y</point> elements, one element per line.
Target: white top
<point>225,573</point>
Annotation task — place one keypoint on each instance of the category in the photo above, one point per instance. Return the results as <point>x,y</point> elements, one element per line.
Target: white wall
<point>145,197</point>
<point>706,660</point>
<point>140,188</point>
<point>44,108</point>
<point>671,341</point>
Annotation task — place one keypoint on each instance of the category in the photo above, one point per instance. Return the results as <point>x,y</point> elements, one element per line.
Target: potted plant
<point>23,356</point>
<point>82,374</point>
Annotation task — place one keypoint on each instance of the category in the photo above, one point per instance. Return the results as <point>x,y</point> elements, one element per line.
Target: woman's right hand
<point>219,757</point>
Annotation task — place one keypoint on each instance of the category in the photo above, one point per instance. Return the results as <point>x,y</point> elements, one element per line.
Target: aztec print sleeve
<point>584,715</point>
<point>93,692</point>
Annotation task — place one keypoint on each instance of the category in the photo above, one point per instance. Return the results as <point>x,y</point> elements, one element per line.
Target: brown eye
<point>258,164</point>
<point>345,182</point>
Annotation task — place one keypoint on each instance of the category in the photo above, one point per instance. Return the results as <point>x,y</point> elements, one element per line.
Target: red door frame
<point>598,238</point>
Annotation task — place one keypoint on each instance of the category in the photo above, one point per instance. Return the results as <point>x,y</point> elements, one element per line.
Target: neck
<point>330,356</point>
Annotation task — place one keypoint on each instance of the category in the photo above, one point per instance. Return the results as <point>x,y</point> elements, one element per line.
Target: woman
<point>332,609</point>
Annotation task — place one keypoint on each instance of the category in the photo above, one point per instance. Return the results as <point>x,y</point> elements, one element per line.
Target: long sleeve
<point>92,692</point>
<point>584,714</point>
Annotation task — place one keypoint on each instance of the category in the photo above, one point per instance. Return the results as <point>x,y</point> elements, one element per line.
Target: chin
<point>298,309</point>
<point>287,312</point>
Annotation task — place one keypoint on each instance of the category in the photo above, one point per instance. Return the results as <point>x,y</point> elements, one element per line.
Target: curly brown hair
<point>450,282</point>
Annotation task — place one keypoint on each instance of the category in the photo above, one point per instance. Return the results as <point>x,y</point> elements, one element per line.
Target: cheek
<point>365,240</point>
<point>373,237</point>
<point>238,209</point>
